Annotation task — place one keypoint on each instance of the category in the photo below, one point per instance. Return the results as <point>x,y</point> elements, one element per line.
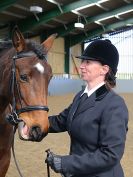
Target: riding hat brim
<point>89,58</point>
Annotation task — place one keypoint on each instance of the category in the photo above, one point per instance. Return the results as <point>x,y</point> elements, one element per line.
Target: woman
<point>97,126</point>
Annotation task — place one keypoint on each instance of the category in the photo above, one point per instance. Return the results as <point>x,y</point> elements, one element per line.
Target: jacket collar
<point>90,91</point>
<point>101,92</point>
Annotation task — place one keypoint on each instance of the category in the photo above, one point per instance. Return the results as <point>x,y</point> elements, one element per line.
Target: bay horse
<point>24,78</point>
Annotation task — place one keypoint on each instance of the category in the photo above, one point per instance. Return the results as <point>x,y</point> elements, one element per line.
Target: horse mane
<point>5,45</point>
<point>31,46</point>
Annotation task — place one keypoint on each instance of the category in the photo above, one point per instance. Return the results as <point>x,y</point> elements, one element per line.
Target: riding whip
<point>48,169</point>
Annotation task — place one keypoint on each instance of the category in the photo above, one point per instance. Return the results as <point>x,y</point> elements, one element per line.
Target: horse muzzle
<point>36,134</point>
<point>30,134</point>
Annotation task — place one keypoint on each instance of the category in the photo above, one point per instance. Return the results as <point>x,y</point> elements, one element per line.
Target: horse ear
<point>18,40</point>
<point>49,42</point>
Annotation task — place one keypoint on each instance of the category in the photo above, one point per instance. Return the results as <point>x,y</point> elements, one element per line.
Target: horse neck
<point>5,75</point>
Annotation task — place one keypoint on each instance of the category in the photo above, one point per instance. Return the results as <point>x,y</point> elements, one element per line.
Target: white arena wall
<point>60,86</point>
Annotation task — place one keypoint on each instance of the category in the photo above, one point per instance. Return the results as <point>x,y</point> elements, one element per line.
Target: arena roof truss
<point>59,16</point>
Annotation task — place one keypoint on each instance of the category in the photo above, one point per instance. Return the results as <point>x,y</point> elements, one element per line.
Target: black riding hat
<point>103,51</point>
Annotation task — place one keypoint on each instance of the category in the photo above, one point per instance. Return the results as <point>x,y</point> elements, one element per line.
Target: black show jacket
<point>97,130</point>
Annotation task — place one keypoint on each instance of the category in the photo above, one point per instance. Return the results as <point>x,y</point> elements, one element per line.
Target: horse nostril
<point>36,133</point>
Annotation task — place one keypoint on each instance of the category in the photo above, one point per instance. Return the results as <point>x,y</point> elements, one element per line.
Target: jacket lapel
<point>87,104</point>
<point>75,104</point>
<point>90,101</point>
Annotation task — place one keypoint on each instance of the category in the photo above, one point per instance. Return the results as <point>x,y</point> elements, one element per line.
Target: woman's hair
<point>110,79</point>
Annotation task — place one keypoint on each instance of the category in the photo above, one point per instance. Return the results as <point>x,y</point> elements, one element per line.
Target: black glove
<point>54,161</point>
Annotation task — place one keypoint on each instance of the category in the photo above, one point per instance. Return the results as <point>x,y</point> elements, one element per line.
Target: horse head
<point>31,74</point>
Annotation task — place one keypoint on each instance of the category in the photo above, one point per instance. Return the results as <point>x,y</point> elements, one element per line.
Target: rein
<point>13,153</point>
<point>13,117</point>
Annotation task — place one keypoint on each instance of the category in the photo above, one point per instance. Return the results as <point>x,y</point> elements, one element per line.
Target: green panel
<point>62,31</point>
<point>81,38</point>
<point>67,52</point>
<point>4,4</point>
<point>77,4</point>
<point>44,17</point>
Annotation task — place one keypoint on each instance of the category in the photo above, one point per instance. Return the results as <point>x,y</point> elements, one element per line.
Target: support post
<point>67,56</point>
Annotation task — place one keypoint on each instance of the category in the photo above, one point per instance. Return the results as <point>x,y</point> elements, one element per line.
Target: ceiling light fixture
<point>105,35</point>
<point>129,24</point>
<point>79,24</point>
<point>36,9</point>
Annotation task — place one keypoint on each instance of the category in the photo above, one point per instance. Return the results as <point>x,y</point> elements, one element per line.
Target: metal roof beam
<point>44,17</point>
<point>111,13</point>
<point>21,7</point>
<point>70,26</point>
<point>13,14</point>
<point>6,3</point>
<point>127,1</point>
<point>102,7</point>
<point>91,34</point>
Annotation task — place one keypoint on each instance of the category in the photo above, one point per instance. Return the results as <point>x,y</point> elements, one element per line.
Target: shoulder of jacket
<point>113,99</point>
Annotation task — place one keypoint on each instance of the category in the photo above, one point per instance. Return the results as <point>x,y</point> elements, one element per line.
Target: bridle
<point>13,117</point>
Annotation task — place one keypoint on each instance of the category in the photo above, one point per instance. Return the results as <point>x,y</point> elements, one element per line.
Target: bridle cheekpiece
<point>13,117</point>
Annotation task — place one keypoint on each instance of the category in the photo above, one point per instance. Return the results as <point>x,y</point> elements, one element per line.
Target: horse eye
<point>24,78</point>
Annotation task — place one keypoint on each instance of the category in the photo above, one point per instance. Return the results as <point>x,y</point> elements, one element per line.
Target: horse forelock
<point>38,49</point>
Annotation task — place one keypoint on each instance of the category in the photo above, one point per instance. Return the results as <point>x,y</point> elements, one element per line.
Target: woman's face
<point>92,70</point>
